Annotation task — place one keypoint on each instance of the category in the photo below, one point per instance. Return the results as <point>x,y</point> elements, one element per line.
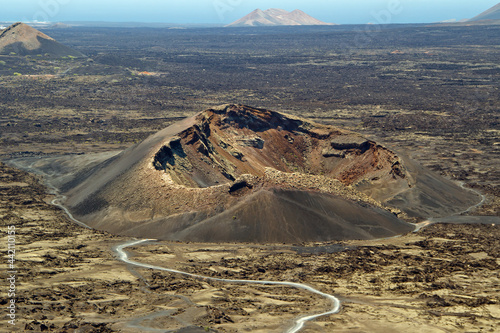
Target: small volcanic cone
<point>22,39</point>
<point>237,173</point>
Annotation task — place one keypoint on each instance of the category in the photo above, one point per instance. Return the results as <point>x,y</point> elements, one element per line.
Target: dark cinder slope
<point>276,216</point>
<point>21,39</point>
<point>294,216</point>
<point>420,200</point>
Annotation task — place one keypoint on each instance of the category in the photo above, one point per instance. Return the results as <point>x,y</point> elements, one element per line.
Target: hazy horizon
<point>227,11</point>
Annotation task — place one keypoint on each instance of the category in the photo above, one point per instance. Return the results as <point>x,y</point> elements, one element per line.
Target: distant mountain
<point>275,17</point>
<point>491,14</point>
<point>59,25</point>
<point>22,39</point>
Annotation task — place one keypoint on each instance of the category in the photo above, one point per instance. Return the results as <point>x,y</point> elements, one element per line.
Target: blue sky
<point>226,11</point>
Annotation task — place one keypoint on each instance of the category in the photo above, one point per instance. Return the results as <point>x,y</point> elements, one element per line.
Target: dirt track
<point>443,279</point>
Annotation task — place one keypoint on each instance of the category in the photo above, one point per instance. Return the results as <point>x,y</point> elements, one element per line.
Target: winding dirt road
<point>299,322</point>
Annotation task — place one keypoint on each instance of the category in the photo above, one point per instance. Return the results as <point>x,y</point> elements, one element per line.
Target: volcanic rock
<point>237,173</point>
<point>21,39</point>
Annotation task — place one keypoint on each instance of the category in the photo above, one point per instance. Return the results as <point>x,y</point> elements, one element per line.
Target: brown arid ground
<point>436,100</point>
<point>443,279</point>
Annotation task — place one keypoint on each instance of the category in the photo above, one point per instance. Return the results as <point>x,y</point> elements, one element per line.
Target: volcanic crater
<point>235,173</point>
<point>229,142</point>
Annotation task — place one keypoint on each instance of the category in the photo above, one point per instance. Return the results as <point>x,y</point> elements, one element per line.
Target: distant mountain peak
<point>491,14</point>
<point>276,17</point>
<point>22,39</point>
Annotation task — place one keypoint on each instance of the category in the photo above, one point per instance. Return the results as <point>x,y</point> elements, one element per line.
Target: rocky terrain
<point>443,279</point>
<point>429,92</point>
<point>435,99</point>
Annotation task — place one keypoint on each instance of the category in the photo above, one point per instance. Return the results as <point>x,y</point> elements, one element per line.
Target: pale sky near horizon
<point>227,11</point>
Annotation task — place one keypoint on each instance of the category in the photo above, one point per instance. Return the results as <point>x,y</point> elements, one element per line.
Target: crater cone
<point>235,173</point>
<point>21,39</point>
